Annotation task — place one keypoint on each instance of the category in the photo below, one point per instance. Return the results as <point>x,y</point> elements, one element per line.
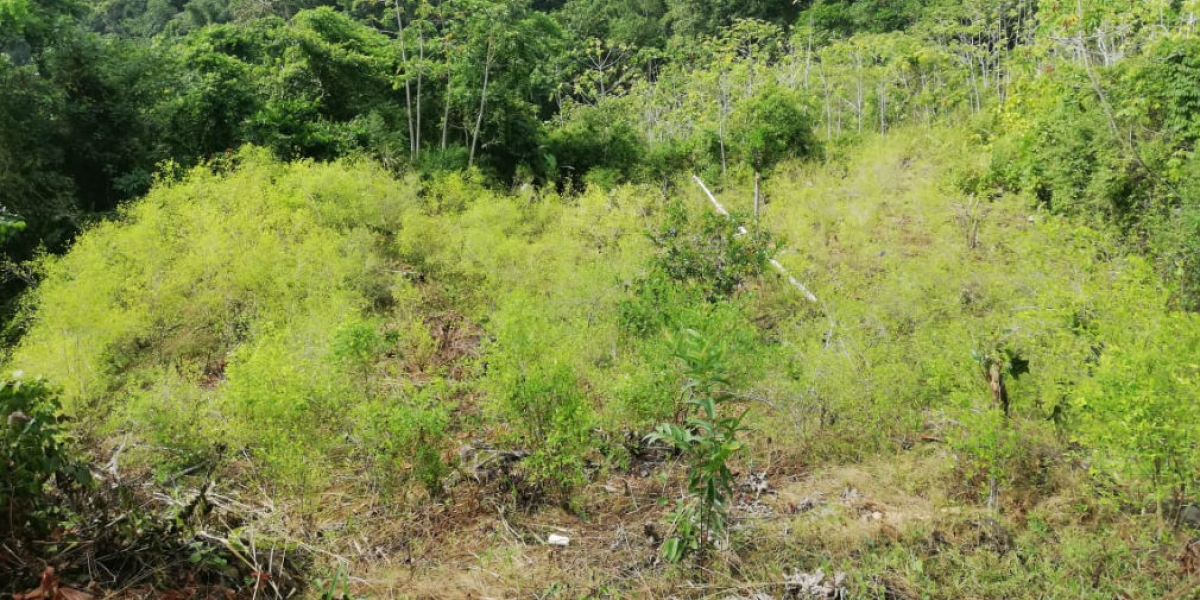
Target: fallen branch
<point>742,230</point>
<point>778,267</point>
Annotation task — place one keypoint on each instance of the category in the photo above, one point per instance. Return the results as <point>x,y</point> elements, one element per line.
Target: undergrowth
<point>348,336</point>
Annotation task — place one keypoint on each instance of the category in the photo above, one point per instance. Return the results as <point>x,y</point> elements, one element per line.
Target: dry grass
<point>613,550</point>
<point>501,552</point>
<point>879,521</point>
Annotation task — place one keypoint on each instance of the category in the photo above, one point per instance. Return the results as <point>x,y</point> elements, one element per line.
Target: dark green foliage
<point>437,161</point>
<point>710,252</point>
<point>146,18</point>
<point>591,139</point>
<point>690,18</point>
<point>28,27</point>
<point>34,448</point>
<point>653,301</point>
<point>772,126</point>
<point>666,159</point>
<point>847,17</point>
<point>708,440</point>
<point>1164,92</point>
<point>31,170</point>
<point>110,145</point>
<point>651,23</point>
<point>206,115</point>
<point>638,22</point>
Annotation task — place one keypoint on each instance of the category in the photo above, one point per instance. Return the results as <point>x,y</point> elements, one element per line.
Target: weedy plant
<point>999,364</point>
<point>707,440</point>
<point>34,448</point>
<point>336,587</point>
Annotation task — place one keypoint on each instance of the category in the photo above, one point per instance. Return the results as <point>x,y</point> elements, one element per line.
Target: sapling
<point>707,439</point>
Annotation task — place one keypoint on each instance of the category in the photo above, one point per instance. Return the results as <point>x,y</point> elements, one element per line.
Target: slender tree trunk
<point>976,101</point>
<point>446,114</point>
<point>756,201</point>
<point>722,102</point>
<point>408,103</point>
<point>809,52</point>
<point>420,78</point>
<point>487,71</point>
<point>860,98</point>
<point>828,96</point>
<point>883,107</point>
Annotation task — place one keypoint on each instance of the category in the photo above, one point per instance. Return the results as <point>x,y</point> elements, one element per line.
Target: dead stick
<point>742,230</point>
<point>756,201</point>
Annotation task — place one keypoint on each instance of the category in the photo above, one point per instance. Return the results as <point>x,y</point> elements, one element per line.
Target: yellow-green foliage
<point>1140,408</point>
<point>918,275</point>
<point>293,310</point>
<point>206,312</point>
<point>281,308</point>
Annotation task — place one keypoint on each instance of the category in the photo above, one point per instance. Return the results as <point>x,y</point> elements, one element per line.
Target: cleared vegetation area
<point>441,299</point>
<point>415,383</point>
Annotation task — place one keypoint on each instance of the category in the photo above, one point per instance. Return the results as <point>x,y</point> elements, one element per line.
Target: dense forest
<point>821,299</point>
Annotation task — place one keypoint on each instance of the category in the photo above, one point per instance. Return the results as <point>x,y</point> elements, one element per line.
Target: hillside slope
<point>421,380</point>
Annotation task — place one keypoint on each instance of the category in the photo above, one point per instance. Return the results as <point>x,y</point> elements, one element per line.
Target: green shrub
<point>654,303</point>
<point>546,407</point>
<point>176,409</point>
<point>772,126</point>
<point>287,393</point>
<point>357,346</point>
<point>1140,408</point>
<point>693,284</point>
<point>404,437</point>
<point>226,307</point>
<point>539,395</point>
<point>645,388</point>
<point>708,440</point>
<point>34,448</point>
<point>594,145</point>
<point>709,251</point>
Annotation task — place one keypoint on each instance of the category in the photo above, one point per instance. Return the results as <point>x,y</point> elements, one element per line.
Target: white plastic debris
<point>814,586</point>
<point>558,540</point>
<point>757,483</point>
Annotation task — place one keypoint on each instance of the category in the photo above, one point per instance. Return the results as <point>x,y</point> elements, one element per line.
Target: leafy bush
<point>286,399</point>
<point>654,303</point>
<point>540,396</point>
<point>34,448</point>
<point>707,439</point>
<point>596,146</point>
<point>405,436</point>
<point>358,346</point>
<point>709,252</point>
<point>1140,408</point>
<point>693,282</point>
<point>772,126</point>
<point>227,307</point>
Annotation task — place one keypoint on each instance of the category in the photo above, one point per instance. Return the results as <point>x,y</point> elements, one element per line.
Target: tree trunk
<point>446,114</point>
<point>408,104</point>
<point>722,103</point>
<point>809,52</point>
<point>861,87</point>
<point>420,78</point>
<point>487,71</point>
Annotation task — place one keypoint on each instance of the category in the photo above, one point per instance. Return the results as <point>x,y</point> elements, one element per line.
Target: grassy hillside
<point>417,381</point>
